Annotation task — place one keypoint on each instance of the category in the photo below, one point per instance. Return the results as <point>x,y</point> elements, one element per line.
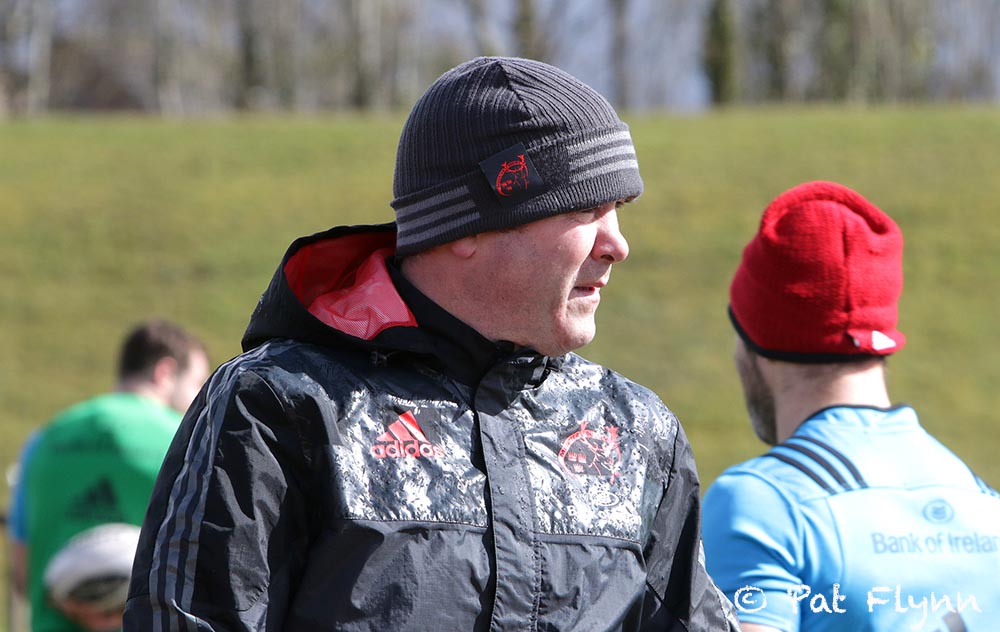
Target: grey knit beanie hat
<point>498,142</point>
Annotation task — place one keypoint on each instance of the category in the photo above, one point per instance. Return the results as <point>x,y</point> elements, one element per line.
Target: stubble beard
<point>759,400</point>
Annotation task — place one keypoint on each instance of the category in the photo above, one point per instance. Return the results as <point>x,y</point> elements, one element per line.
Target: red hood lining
<point>345,284</point>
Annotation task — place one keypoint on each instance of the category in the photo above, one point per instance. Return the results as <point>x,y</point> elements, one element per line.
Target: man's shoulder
<point>108,421</point>
<point>100,410</point>
<point>579,368</point>
<point>287,355</point>
<point>779,472</point>
<point>580,375</point>
<point>81,409</point>
<point>290,369</point>
<point>757,472</point>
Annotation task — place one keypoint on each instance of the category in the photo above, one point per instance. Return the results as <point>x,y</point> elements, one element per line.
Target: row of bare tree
<point>857,50</point>
<point>200,56</point>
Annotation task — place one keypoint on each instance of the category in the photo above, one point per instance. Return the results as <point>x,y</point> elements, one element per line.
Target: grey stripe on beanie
<point>501,141</point>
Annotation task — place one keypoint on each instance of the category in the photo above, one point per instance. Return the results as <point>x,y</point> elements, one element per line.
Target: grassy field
<point>107,221</point>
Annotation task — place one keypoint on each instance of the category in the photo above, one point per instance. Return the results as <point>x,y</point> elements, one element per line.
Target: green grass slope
<point>107,221</point>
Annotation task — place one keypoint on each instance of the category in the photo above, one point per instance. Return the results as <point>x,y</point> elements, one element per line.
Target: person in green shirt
<point>95,463</point>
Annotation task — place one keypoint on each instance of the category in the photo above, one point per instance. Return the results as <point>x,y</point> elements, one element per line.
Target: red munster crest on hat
<point>592,452</point>
<point>512,176</point>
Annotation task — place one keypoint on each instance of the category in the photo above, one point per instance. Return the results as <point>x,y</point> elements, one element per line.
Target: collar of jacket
<point>463,353</point>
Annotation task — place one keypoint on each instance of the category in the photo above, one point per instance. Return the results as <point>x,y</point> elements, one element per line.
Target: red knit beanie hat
<point>820,280</point>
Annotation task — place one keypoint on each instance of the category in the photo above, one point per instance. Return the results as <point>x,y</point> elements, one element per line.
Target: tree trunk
<point>168,97</point>
<point>285,53</point>
<point>41,16</point>
<point>482,34</point>
<point>619,54</point>
<point>8,19</point>
<point>527,32</point>
<point>719,51</point>
<point>366,45</point>
<point>249,77</point>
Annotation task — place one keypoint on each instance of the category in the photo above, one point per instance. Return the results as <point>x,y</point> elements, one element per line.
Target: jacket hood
<point>333,288</point>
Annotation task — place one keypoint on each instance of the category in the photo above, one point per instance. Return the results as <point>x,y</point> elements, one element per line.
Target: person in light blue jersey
<point>856,519</point>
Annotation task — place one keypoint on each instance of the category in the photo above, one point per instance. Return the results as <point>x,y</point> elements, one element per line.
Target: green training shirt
<point>94,463</point>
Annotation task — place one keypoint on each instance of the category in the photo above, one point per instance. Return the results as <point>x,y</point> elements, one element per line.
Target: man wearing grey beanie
<point>408,441</point>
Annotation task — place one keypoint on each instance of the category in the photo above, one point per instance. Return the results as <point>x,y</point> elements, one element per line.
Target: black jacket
<point>372,463</point>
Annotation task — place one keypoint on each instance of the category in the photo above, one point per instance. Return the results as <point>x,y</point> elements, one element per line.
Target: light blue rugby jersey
<point>859,521</point>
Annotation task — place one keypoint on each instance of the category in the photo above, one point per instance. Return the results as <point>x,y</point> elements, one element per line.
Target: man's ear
<point>165,370</point>
<point>464,247</point>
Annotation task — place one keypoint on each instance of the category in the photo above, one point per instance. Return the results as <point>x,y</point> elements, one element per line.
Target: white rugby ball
<point>94,566</point>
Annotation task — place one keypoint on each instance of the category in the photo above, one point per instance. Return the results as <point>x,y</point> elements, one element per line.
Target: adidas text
<point>399,450</point>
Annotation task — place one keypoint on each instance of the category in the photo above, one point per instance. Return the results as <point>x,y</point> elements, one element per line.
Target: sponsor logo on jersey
<point>938,511</point>
<point>97,503</point>
<point>592,452</point>
<point>405,439</point>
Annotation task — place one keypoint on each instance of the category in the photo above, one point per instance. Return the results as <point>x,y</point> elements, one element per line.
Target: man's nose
<point>611,245</point>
